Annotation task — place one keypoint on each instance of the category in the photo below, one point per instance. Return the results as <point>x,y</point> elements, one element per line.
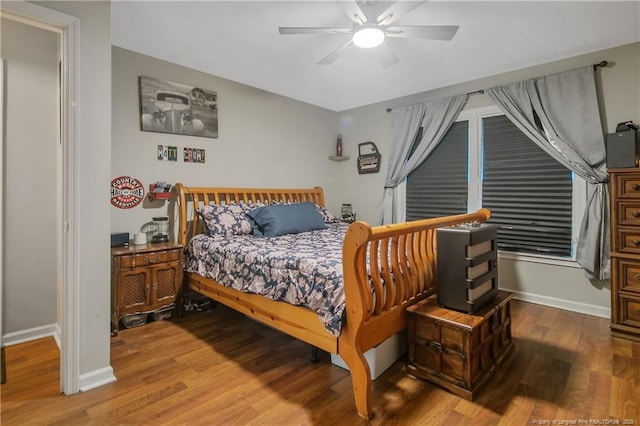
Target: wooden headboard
<point>193,197</point>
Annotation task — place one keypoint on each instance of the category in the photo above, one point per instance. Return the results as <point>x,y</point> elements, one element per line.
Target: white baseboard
<point>567,305</point>
<point>35,333</point>
<point>87,381</point>
<point>96,378</point>
<point>57,336</point>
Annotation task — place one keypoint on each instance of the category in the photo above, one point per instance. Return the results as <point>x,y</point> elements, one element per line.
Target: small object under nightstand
<point>144,279</point>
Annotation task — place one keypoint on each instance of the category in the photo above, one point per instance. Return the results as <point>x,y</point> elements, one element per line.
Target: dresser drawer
<point>629,213</point>
<point>629,272</point>
<point>629,240</point>
<point>628,185</point>
<point>629,311</point>
<point>145,259</point>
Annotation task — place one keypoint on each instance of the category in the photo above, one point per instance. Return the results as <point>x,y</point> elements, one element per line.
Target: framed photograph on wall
<point>176,108</point>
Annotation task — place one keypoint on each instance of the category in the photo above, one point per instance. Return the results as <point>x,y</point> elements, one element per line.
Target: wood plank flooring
<point>220,368</point>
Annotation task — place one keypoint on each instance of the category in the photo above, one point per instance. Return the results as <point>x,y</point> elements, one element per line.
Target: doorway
<point>33,184</point>
<point>66,163</point>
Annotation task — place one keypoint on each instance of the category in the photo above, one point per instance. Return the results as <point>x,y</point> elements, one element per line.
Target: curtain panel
<point>435,117</point>
<point>560,114</point>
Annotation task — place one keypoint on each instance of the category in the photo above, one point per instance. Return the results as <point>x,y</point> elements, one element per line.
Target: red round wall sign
<point>126,192</point>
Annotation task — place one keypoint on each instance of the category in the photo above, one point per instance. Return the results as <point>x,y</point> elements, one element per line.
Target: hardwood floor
<point>220,368</point>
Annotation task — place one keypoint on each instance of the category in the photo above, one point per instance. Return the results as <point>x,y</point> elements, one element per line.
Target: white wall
<point>265,140</point>
<point>93,243</point>
<point>619,91</point>
<point>30,168</point>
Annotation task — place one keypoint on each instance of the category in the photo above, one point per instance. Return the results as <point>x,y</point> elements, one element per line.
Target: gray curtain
<point>435,117</point>
<point>560,114</point>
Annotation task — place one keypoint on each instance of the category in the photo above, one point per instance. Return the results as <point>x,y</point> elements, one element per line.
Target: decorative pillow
<point>225,220</point>
<point>284,219</point>
<point>327,216</point>
<point>247,207</point>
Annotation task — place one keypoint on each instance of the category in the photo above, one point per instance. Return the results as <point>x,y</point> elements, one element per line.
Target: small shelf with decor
<point>338,157</point>
<point>159,191</point>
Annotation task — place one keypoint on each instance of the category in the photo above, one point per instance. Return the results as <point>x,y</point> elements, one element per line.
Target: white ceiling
<point>239,40</point>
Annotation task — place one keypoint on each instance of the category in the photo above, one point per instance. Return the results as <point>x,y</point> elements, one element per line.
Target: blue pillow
<point>282,219</point>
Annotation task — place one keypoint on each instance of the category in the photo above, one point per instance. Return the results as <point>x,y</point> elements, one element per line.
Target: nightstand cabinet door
<point>165,283</point>
<point>133,294</point>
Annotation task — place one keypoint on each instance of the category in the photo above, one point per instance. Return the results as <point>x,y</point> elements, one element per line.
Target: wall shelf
<point>338,157</point>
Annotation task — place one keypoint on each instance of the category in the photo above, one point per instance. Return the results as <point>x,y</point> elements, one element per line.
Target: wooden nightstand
<point>459,351</point>
<point>144,279</point>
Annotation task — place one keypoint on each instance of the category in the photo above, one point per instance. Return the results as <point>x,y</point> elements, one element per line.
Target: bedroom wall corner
<point>619,93</point>
<point>265,140</point>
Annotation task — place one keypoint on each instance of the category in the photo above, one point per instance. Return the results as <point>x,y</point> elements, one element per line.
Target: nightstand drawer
<point>628,185</point>
<point>629,271</point>
<point>630,311</point>
<point>629,213</point>
<point>629,240</point>
<point>146,259</point>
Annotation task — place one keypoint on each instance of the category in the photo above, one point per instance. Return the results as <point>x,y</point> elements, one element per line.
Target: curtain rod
<point>481,91</point>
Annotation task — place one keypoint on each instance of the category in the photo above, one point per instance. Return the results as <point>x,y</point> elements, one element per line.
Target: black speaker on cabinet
<point>623,149</point>
<point>467,266</point>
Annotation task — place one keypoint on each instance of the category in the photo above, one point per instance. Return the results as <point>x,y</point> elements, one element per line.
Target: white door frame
<point>2,118</point>
<point>69,28</point>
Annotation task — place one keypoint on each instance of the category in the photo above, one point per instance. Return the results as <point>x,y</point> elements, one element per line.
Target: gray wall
<point>94,157</point>
<point>265,140</point>
<point>268,140</point>
<point>30,173</point>
<point>619,91</point>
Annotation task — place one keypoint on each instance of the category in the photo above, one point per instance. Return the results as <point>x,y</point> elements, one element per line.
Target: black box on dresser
<point>467,266</point>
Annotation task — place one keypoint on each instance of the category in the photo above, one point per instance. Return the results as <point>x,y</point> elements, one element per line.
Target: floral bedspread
<point>301,269</point>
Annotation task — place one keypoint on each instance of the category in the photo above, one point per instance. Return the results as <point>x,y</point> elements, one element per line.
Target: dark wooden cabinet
<point>459,351</point>
<point>624,186</point>
<point>144,279</point>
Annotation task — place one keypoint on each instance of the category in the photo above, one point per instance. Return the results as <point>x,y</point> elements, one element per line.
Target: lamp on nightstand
<point>160,230</point>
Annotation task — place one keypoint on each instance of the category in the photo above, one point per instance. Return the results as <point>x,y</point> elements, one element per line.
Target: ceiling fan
<point>370,28</point>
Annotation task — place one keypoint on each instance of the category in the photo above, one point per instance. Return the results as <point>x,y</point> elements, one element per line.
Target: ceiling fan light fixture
<point>368,37</point>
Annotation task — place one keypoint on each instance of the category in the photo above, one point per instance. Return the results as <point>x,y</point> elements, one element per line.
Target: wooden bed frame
<point>402,263</point>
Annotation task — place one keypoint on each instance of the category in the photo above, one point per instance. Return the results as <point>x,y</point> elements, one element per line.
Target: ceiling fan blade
<point>314,30</point>
<point>353,11</point>
<point>432,32</point>
<point>387,56</point>
<point>336,53</point>
<point>367,8</point>
<point>397,10</point>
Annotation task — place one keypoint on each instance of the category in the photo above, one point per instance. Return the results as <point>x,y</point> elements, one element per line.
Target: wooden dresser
<point>459,351</point>
<point>145,278</point>
<point>624,186</point>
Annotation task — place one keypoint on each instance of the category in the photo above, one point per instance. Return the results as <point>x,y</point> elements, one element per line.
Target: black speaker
<point>622,149</point>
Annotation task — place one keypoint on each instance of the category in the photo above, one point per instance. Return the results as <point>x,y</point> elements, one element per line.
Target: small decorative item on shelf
<point>160,191</point>
<point>339,146</point>
<point>160,230</point>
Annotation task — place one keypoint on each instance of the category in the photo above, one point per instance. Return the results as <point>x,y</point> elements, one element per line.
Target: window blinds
<point>528,192</point>
<point>438,187</point>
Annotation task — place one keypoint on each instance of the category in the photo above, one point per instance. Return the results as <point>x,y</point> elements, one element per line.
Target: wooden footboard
<point>386,269</point>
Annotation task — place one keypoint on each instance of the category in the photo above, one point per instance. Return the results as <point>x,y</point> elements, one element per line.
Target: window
<point>484,160</point>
